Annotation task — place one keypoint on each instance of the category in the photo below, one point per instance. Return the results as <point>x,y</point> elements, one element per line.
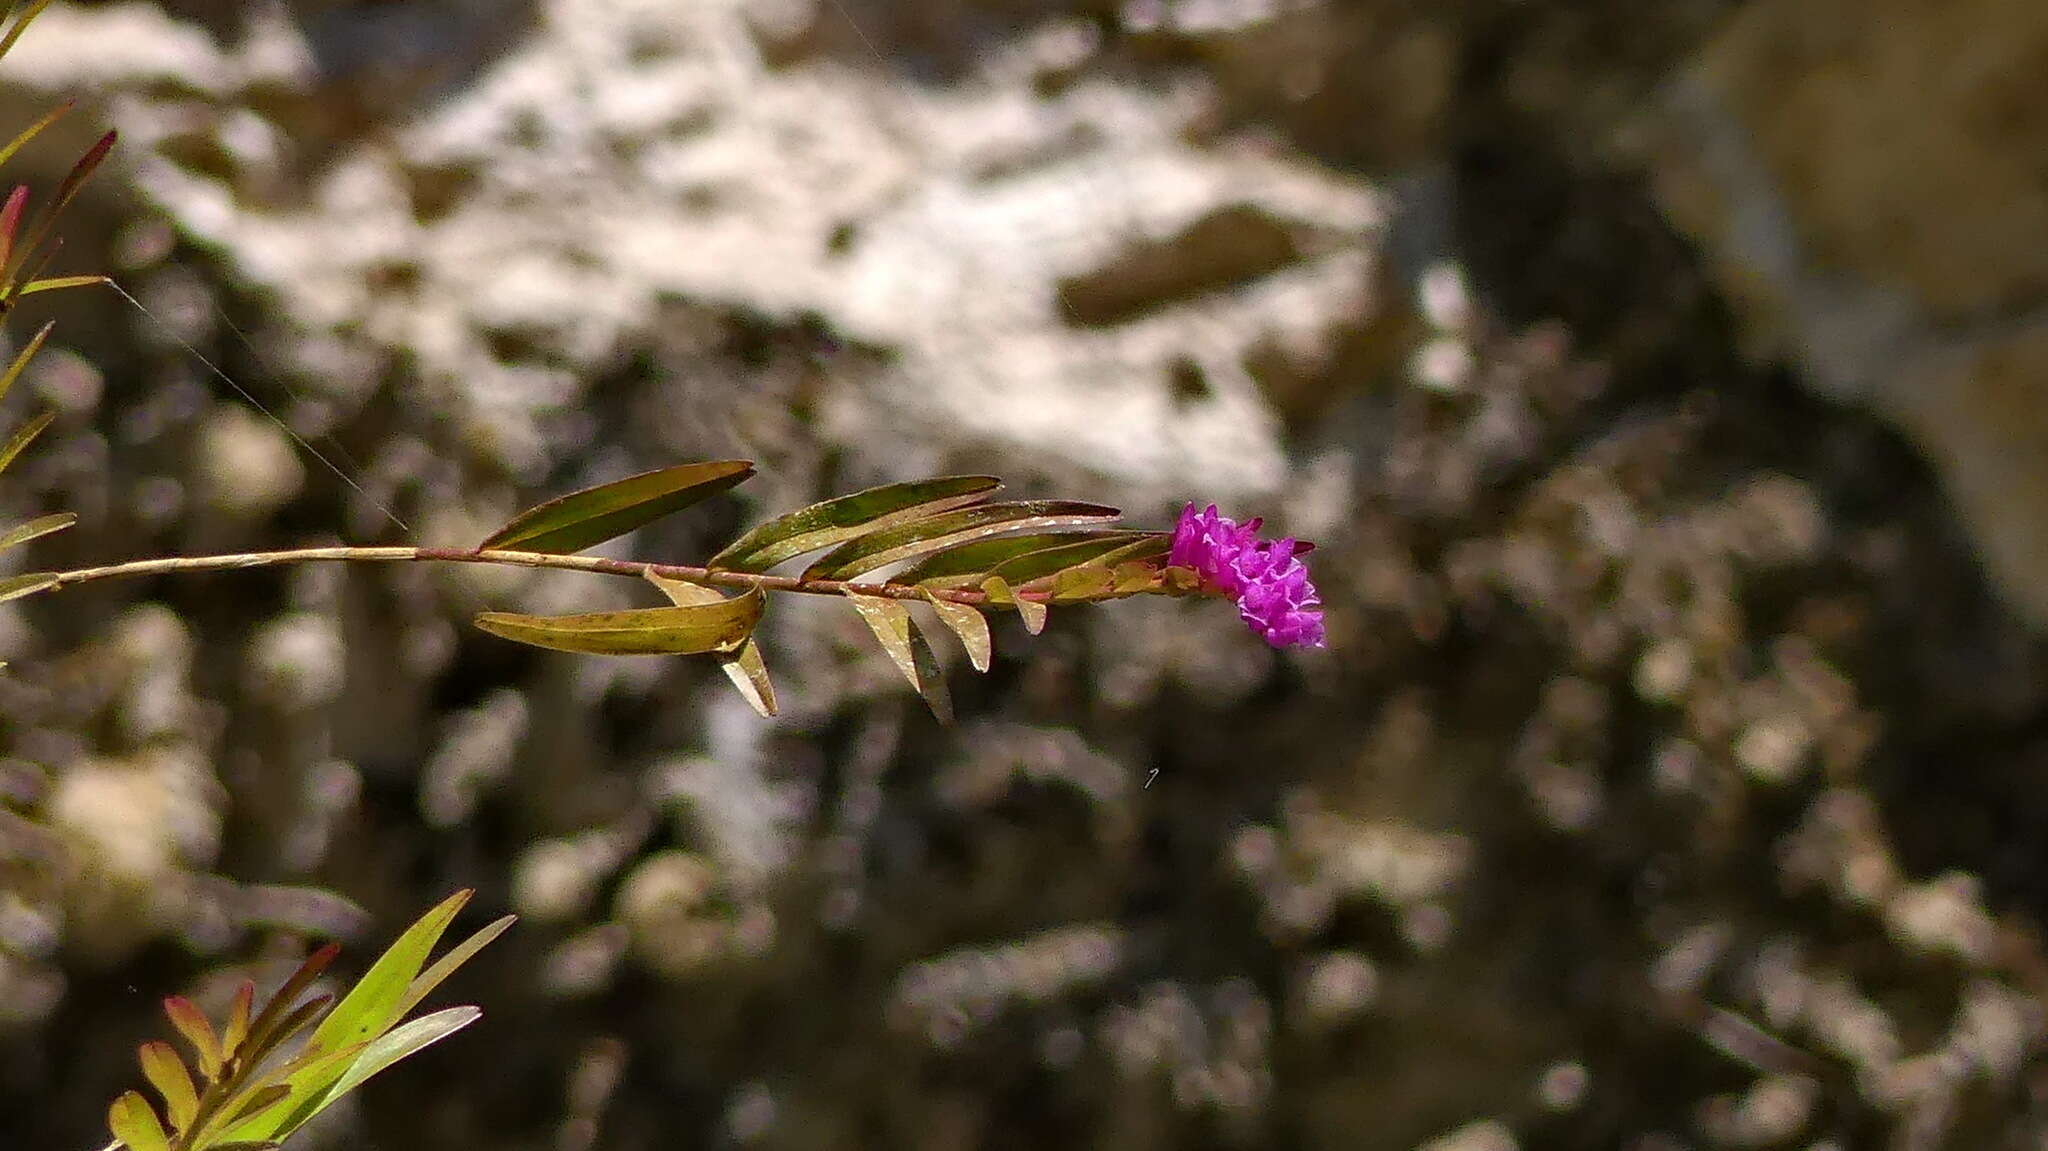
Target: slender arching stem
<point>191,565</point>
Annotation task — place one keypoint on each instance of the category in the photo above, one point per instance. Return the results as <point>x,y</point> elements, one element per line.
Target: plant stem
<point>183,565</point>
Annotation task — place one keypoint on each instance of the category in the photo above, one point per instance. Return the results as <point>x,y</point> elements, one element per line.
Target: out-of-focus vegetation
<point>1659,386</point>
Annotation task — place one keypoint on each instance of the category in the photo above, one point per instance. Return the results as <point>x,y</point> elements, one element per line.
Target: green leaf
<point>745,667</point>
<point>59,283</point>
<point>237,1027</point>
<point>970,625</point>
<point>947,529</point>
<point>722,626</point>
<point>19,441</point>
<point>134,1122</point>
<point>21,25</point>
<point>166,1072</point>
<point>1033,611</point>
<point>906,647</point>
<point>1051,561</point>
<point>836,521</point>
<point>35,529</point>
<point>258,1101</point>
<point>264,1031</point>
<point>970,563</point>
<point>191,1023</point>
<point>450,963</point>
<point>398,1043</point>
<point>373,1004</point>
<point>304,1078</point>
<point>21,140</point>
<point>587,518</point>
<point>21,358</point>
<point>15,587</point>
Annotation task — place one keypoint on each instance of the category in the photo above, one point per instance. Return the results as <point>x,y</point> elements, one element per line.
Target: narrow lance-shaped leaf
<point>22,437</point>
<point>1051,561</point>
<point>970,625</point>
<point>1132,567</point>
<point>47,217</point>
<point>134,1122</point>
<point>10,223</point>
<point>745,667</point>
<point>835,521</point>
<point>449,964</point>
<point>35,529</point>
<point>399,1043</point>
<point>27,584</point>
<point>722,626</point>
<point>21,358</point>
<point>236,1028</point>
<point>921,537</point>
<point>968,564</point>
<point>59,283</point>
<point>900,639</point>
<point>372,1005</point>
<point>33,130</point>
<point>590,517</point>
<point>14,32</point>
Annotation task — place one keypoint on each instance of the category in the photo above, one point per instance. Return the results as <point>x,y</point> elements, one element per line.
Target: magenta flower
<point>1266,578</point>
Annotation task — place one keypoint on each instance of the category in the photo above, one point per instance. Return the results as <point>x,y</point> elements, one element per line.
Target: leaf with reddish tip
<point>947,529</point>
<point>35,529</point>
<point>970,625</point>
<point>237,1027</point>
<point>264,1029</point>
<point>836,521</point>
<point>134,1122</point>
<point>167,1073</point>
<point>10,224</point>
<point>47,218</point>
<point>718,627</point>
<point>191,1023</point>
<point>745,667</point>
<point>587,518</point>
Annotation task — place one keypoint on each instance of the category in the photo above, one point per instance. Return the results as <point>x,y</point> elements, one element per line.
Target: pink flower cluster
<point>1266,578</point>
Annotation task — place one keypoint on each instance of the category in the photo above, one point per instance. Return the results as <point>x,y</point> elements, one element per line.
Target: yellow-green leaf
<point>59,283</point>
<point>26,433</point>
<point>722,626</point>
<point>32,131</point>
<point>21,23</point>
<point>947,529</point>
<point>21,358</point>
<point>166,1072</point>
<point>835,521</point>
<point>1051,561</point>
<point>237,1027</point>
<point>15,587</point>
<point>35,529</point>
<point>970,625</point>
<point>1033,611</point>
<point>587,518</point>
<point>134,1122</point>
<point>907,648</point>
<point>745,667</point>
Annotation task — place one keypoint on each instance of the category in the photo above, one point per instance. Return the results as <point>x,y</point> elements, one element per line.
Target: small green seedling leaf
<point>948,529</point>
<point>35,529</point>
<point>718,627</point>
<point>167,1073</point>
<point>836,521</point>
<point>970,625</point>
<point>745,667</point>
<point>590,517</point>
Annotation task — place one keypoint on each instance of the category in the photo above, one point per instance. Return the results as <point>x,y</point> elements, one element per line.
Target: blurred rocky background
<point>1666,386</point>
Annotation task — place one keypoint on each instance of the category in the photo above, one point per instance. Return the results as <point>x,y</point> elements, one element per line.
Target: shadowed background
<point>1663,388</point>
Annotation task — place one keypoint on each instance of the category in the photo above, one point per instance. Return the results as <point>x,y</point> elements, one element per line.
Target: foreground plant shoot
<point>956,549</point>
<point>250,1084</point>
